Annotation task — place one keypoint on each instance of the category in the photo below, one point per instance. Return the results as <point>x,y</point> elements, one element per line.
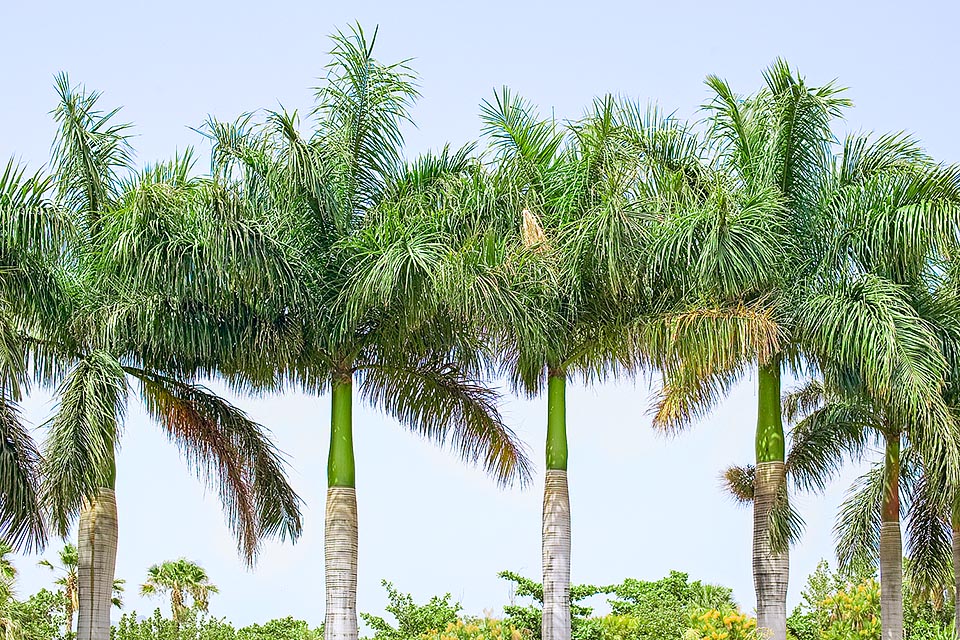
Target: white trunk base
<point>556,557</point>
<point>771,571</point>
<point>97,564</point>
<point>340,552</point>
<point>891,582</point>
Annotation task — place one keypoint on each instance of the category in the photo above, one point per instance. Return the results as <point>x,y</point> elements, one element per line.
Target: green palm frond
<point>229,452</point>
<point>91,151</point>
<point>435,399</point>
<point>786,524</point>
<point>824,439</point>
<point>22,522</point>
<point>361,108</point>
<point>865,156</point>
<point>83,436</point>
<point>928,535</point>
<point>858,525</point>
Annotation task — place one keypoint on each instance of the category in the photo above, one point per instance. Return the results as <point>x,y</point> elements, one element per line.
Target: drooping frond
<point>22,522</point>
<point>786,524</point>
<point>229,452</point>
<point>865,156</point>
<point>858,525</point>
<point>868,326</point>
<point>824,439</point>
<point>685,397</point>
<point>804,400</point>
<point>436,400</point>
<point>928,536</point>
<point>83,436</point>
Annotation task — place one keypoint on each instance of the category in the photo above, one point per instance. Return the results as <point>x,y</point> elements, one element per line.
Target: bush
<point>157,627</point>
<point>282,629</point>
<point>413,620</point>
<point>716,624</point>
<point>478,629</point>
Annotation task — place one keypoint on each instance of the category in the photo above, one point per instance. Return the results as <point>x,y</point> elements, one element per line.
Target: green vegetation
<point>758,242</point>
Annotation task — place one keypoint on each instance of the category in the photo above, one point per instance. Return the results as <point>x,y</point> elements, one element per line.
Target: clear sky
<point>642,504</point>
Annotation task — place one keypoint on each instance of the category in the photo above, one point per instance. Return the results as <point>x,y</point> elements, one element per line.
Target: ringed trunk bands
<point>891,546</point>
<point>340,555</point>
<point>771,571</point>
<point>555,622</point>
<point>96,565</point>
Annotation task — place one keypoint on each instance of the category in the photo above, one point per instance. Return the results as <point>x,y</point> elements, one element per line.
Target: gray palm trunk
<point>891,581</point>
<point>97,563</point>
<point>771,570</point>
<point>556,557</point>
<point>891,546</point>
<point>340,550</point>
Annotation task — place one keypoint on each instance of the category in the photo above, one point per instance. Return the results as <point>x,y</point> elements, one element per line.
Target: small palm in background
<point>180,578</point>
<point>69,561</point>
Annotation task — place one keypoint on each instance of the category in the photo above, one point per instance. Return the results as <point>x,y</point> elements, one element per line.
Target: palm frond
<point>436,400</point>
<point>858,525</point>
<point>83,436</point>
<point>230,452</point>
<point>22,523</point>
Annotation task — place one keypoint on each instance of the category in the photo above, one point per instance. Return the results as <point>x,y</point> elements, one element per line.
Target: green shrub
<point>413,620</point>
<point>157,627</point>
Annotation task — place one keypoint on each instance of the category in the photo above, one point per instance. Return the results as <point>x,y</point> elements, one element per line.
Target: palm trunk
<point>97,563</point>
<point>956,570</point>
<point>340,532</point>
<point>891,550</point>
<point>771,569</point>
<point>555,624</point>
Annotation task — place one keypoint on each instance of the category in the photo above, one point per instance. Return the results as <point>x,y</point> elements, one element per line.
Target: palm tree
<point>91,161</point>
<point>364,303</point>
<point>571,200</point>
<point>789,237</point>
<point>180,578</point>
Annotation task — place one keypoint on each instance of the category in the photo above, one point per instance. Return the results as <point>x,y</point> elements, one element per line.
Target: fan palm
<point>776,228</point>
<point>180,578</point>
<point>364,303</point>
<point>97,189</point>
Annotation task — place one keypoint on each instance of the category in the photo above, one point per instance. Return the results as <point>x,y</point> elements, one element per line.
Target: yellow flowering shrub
<point>853,612</point>
<point>477,629</point>
<point>714,624</point>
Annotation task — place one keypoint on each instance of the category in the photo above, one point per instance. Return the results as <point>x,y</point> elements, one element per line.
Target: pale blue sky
<point>642,504</point>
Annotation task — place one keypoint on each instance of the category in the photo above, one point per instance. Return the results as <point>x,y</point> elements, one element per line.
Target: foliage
<point>41,616</point>
<point>178,578</point>
<point>716,624</point>
<point>529,617</point>
<point>287,628</point>
<point>478,629</point>
<point>664,608</point>
<point>192,627</point>
<point>413,620</point>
